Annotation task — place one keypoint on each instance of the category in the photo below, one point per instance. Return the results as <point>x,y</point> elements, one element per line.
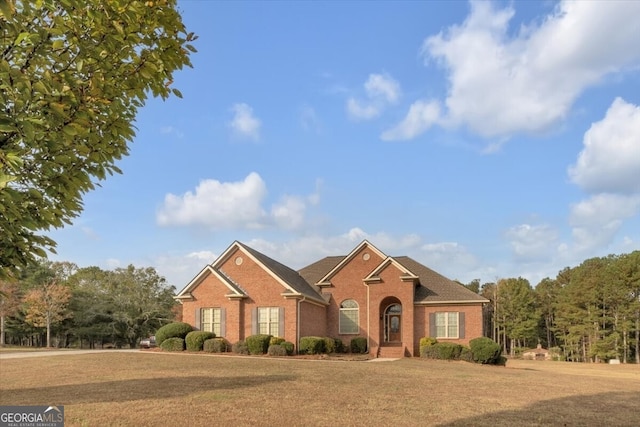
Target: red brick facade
<point>392,309</point>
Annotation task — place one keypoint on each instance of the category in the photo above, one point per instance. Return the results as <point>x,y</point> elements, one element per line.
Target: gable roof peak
<point>325,280</point>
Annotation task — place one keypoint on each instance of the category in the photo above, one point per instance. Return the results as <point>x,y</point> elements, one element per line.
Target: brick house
<point>391,301</point>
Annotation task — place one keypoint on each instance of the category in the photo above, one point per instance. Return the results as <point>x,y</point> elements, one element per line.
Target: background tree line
<point>588,313</point>
<point>58,304</point>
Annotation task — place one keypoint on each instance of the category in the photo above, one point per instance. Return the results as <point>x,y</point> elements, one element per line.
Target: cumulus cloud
<point>533,243</point>
<point>217,205</point>
<point>596,220</point>
<point>234,205</point>
<point>244,124</point>
<point>422,115</point>
<point>608,167</point>
<point>381,90</point>
<point>610,160</point>
<point>503,82</point>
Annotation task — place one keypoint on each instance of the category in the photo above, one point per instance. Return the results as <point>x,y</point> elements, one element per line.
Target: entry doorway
<point>393,323</point>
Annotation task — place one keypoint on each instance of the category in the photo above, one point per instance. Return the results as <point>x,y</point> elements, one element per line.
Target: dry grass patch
<point>150,388</point>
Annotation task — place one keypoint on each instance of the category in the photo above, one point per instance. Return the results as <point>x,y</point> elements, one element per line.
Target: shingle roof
<point>434,287</point>
<point>316,271</point>
<point>286,274</point>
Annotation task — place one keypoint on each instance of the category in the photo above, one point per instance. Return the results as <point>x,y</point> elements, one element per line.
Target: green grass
<point>151,388</point>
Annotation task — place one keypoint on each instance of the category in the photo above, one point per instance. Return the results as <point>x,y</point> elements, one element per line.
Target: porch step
<point>394,352</point>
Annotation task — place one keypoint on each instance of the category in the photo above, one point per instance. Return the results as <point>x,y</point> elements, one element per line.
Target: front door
<point>393,323</point>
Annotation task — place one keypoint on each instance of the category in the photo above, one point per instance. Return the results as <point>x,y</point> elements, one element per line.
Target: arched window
<point>349,313</point>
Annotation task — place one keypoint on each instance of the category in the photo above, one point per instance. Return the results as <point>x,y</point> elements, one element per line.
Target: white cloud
<point>361,110</point>
<point>383,87</point>
<point>289,213</point>
<point>309,119</point>
<point>113,263</point>
<point>244,124</point>
<point>234,205</point>
<point>171,130</point>
<point>596,220</point>
<point>610,160</point>
<point>217,205</point>
<point>422,115</point>
<point>501,84</point>
<point>533,242</point>
<point>381,90</point>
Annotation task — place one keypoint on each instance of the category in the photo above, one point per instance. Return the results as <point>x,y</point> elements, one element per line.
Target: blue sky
<point>484,139</point>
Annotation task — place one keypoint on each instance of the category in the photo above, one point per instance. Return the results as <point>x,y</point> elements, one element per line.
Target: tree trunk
<point>1,331</point>
<point>48,331</point>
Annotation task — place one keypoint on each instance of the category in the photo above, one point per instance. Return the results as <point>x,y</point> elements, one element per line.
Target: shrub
<point>240,347</point>
<point>331,345</point>
<point>426,341</point>
<point>485,351</point>
<point>173,330</point>
<point>358,345</point>
<point>311,345</point>
<point>216,345</point>
<point>289,347</point>
<point>258,344</point>
<point>172,344</point>
<point>277,350</point>
<point>196,339</point>
<point>340,347</point>
<point>276,340</point>
<point>442,351</point>
<point>466,354</point>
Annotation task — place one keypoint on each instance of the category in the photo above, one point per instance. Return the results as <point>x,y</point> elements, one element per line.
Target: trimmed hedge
<point>330,345</point>
<point>277,350</point>
<point>289,347</point>
<point>442,351</point>
<point>173,330</point>
<point>358,345</point>
<point>195,339</point>
<point>311,345</point>
<point>485,351</point>
<point>426,341</point>
<point>276,340</point>
<point>216,345</point>
<point>258,344</point>
<point>240,347</point>
<point>172,344</point>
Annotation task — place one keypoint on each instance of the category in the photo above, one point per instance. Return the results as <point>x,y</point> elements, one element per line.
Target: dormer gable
<point>325,281</point>
<point>405,274</point>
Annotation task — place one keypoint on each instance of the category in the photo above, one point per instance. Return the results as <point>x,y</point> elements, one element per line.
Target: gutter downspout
<point>298,322</point>
<point>368,321</point>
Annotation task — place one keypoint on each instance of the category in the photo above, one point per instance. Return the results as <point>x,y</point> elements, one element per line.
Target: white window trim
<point>216,327</point>
<point>273,328</point>
<point>357,320</point>
<point>445,314</point>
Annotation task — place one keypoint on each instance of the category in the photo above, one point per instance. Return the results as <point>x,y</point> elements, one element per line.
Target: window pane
<point>349,321</point>
<point>441,325</point>
<point>452,325</point>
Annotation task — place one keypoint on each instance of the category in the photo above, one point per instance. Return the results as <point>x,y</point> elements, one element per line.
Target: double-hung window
<point>211,320</point>
<point>447,324</point>
<point>269,321</point>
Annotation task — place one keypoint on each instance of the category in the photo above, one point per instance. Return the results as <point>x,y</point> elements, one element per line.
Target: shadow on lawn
<point>136,389</point>
<point>619,409</point>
